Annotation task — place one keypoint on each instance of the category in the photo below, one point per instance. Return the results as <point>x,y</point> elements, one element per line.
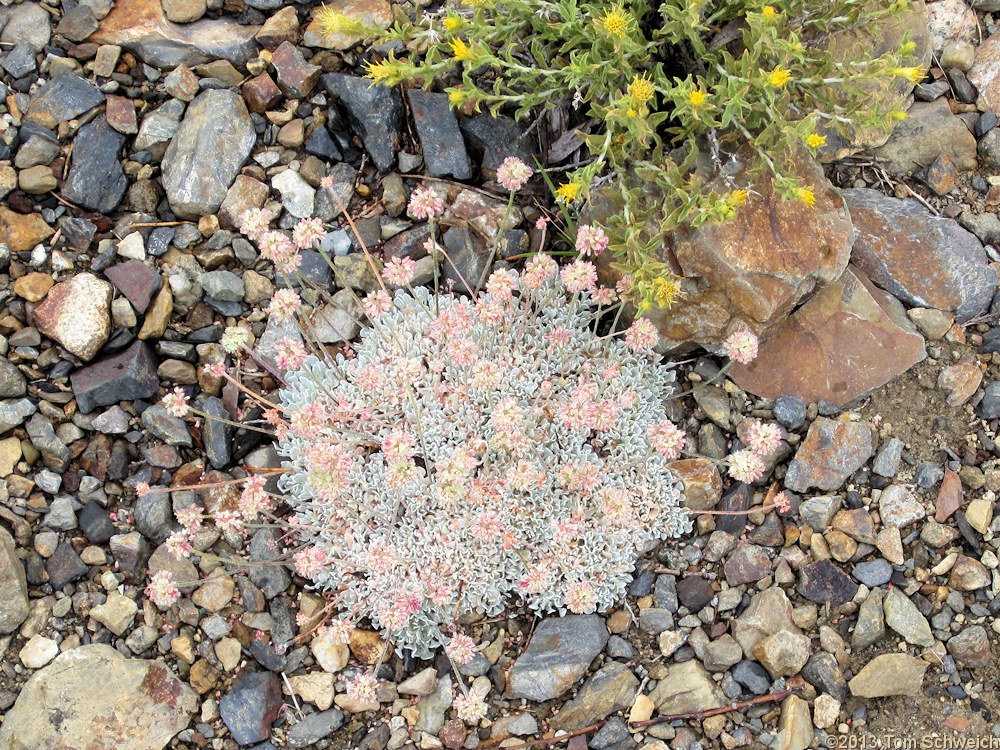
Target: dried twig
<point>708,712</point>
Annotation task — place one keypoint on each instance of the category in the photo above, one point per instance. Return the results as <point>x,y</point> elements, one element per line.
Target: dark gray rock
<point>752,676</point>
<point>213,141</point>
<point>95,523</point>
<point>96,179</point>
<point>77,23</point>
<point>265,548</point>
<point>12,382</point>
<point>440,138</point>
<point>125,376</point>
<point>374,112</point>
<point>823,673</point>
<point>61,99</point>
<point>251,706</point>
<point>217,436</point>
<point>989,407</point>
<point>55,453</point>
<point>695,592</point>
<point>467,264</point>
<point>824,582</point>
<point>19,61</point>
<point>64,566</point>
<point>790,411</point>
<point>153,516</point>
<point>496,138</point>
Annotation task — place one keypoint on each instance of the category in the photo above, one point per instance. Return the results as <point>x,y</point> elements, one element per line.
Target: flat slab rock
<point>558,655</point>
<point>93,698</point>
<point>832,451</point>
<point>925,260</point>
<point>845,342</point>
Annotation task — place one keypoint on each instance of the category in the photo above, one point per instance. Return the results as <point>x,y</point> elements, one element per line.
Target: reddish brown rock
<point>245,193</point>
<point>137,281</point>
<point>754,269</point>
<point>296,77</point>
<point>832,451</point>
<point>925,260</point>
<point>121,114</point>
<point>33,286</point>
<point>141,26</point>
<point>702,482</point>
<point>76,313</point>
<point>849,339</point>
<point>949,498</point>
<point>961,381</point>
<point>23,231</point>
<point>261,93</point>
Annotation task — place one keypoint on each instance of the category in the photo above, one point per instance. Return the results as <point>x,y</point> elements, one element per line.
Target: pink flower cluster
<point>475,454</point>
<point>762,440</point>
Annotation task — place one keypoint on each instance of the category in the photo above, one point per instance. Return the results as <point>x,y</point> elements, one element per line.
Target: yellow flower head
<point>769,13</point>
<point>451,23</point>
<point>666,291</point>
<point>806,195</point>
<point>778,77</point>
<point>897,115</point>
<point>460,49</point>
<point>907,48</point>
<point>815,140</point>
<point>615,22</point>
<point>388,72</point>
<point>455,98</point>
<point>567,192</point>
<point>331,23</point>
<point>914,74</point>
<point>738,197</point>
<point>641,89</point>
<point>696,97</point>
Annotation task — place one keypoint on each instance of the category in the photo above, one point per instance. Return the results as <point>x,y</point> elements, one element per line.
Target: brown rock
<point>76,313</point>
<point>245,193</point>
<point>949,498</point>
<point>754,269</point>
<point>831,452</point>
<point>925,260</point>
<point>121,114</point>
<point>292,134</point>
<point>283,26</point>
<point>985,73</point>
<point>941,175</point>
<point>968,574</point>
<point>33,286</point>
<point>371,12</point>
<point>261,93</point>
<point>296,77</point>
<point>37,180</point>
<point>961,381</point>
<point>158,314</point>
<point>140,26</point>
<point>23,231</point>
<point>889,674</point>
<point>929,130</point>
<point>702,482</point>
<point>847,322</point>
<point>366,646</point>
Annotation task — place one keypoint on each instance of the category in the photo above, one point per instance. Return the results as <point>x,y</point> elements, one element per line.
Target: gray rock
<point>168,428</point>
<point>687,687</point>
<point>823,672</point>
<point>559,654</point>
<point>873,573</point>
<point>159,126</point>
<point>138,704</point>
<point>77,23</point>
<point>125,376</point>
<point>989,407</point>
<point>61,515</point>
<point>225,286</point>
<point>54,452</point>
<point>315,727</point>
<point>614,735</point>
<point>251,706</point>
<point>206,153</point>
<point>13,412</point>
<point>887,461</point>
<point>830,453</point>
<point>721,654</point>
<point>497,137</point>
<point>62,98</point>
<point>902,615</point>
<point>899,507</point>
<point>298,197</point>
<point>95,524</point>
<point>13,586</point>
<point>153,516</point>
<point>12,382</point>
<point>432,707</point>
<point>440,138</point>
<point>752,676</point>
<point>924,260</point>
<point>19,61</point>
<point>818,512</point>
<point>467,264</point>
<point>27,23</point>
<point>971,647</point>
<point>375,113</point>
<point>930,129</point>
